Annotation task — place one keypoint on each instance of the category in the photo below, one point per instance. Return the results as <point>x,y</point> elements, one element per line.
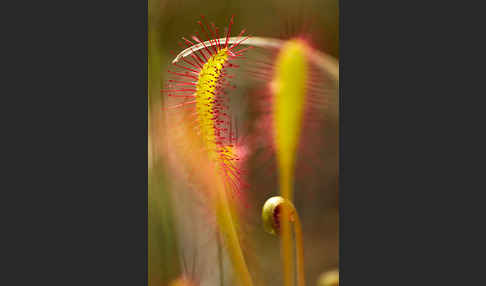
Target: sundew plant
<point>242,164</point>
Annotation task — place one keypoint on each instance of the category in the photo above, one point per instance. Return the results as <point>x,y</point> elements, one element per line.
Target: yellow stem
<point>300,250</point>
<point>286,182</point>
<point>289,213</point>
<point>232,243</point>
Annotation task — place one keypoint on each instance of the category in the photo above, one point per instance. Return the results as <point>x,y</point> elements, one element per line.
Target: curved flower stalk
<point>201,84</point>
<point>272,214</point>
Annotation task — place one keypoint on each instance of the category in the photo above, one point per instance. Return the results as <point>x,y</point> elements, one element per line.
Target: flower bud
<point>272,212</point>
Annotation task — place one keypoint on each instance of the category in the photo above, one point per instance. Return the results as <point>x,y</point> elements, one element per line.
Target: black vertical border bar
<point>377,203</point>
<point>81,139</point>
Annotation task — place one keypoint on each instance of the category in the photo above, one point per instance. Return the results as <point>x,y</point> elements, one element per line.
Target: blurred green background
<point>172,251</point>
